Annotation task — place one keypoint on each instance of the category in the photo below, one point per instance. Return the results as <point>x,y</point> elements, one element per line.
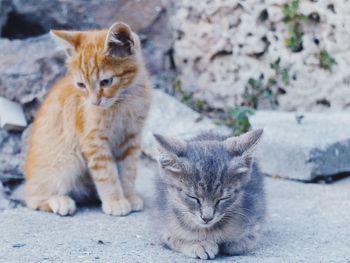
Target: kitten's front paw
<point>121,207</point>
<point>136,203</point>
<point>62,205</point>
<point>202,250</point>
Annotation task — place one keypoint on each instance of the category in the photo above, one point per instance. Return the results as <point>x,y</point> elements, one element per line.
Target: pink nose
<point>96,102</point>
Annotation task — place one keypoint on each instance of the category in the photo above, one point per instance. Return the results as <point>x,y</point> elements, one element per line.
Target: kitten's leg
<point>128,164</point>
<point>105,174</point>
<point>58,204</point>
<point>62,204</point>
<point>47,188</point>
<point>195,249</point>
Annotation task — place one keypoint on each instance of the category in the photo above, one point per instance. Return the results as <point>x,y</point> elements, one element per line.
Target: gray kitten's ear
<point>170,149</point>
<point>120,41</point>
<point>243,144</point>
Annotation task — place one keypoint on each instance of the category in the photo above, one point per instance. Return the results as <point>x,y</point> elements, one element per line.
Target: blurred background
<point>226,65</point>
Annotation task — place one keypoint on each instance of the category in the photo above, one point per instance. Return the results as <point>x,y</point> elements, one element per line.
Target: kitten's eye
<point>81,85</point>
<point>106,82</point>
<point>222,199</point>
<point>194,198</point>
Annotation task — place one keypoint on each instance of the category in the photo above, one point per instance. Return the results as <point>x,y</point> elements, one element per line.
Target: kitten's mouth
<point>208,224</point>
<point>105,104</point>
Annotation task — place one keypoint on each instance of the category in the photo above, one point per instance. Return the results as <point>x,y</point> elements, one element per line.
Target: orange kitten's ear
<point>120,41</point>
<point>68,40</point>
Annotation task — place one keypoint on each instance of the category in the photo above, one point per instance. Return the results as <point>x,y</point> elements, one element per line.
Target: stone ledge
<point>170,117</point>
<point>317,146</point>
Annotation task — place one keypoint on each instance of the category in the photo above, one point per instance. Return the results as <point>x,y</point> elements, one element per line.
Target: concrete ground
<point>307,223</point>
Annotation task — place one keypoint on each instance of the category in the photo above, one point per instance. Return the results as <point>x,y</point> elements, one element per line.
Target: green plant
<point>285,76</point>
<point>293,19</point>
<point>326,61</point>
<point>252,92</point>
<point>283,73</point>
<point>240,119</point>
<point>257,89</point>
<point>185,97</point>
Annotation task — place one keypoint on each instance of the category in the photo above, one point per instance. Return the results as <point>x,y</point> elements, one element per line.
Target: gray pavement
<point>306,223</point>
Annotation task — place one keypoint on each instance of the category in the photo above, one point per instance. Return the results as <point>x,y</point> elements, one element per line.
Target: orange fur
<point>91,118</point>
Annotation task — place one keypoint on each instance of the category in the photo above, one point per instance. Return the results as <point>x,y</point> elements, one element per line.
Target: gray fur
<point>193,176</point>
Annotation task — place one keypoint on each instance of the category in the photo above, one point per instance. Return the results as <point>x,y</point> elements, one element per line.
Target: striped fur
<point>210,195</point>
<point>87,139</point>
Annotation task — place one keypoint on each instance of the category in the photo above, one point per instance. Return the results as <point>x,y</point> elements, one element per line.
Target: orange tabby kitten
<point>91,121</point>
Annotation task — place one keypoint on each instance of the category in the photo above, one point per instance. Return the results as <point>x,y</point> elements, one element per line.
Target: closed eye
<point>222,200</point>
<point>194,198</point>
<point>106,82</point>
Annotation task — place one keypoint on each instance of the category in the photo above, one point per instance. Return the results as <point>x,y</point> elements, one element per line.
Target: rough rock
<point>170,117</point>
<point>4,202</point>
<point>21,19</point>
<point>5,9</point>
<point>28,69</point>
<point>318,146</point>
<point>220,44</point>
<point>70,14</point>
<point>11,159</point>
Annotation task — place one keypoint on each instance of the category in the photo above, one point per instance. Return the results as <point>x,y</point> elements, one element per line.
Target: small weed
<point>240,119</point>
<point>326,61</point>
<point>187,98</point>
<point>285,76</point>
<point>257,89</point>
<point>237,119</point>
<point>293,19</point>
<point>201,105</point>
<point>252,92</point>
<point>283,73</point>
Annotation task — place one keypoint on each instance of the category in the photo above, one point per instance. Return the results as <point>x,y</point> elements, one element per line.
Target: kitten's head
<point>102,62</point>
<point>205,178</point>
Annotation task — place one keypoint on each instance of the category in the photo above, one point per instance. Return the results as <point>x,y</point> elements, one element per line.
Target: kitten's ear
<point>242,148</point>
<point>170,149</point>
<point>68,40</point>
<point>120,41</point>
<point>243,144</point>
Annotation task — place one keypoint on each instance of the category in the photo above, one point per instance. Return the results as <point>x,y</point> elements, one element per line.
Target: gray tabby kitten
<point>210,195</point>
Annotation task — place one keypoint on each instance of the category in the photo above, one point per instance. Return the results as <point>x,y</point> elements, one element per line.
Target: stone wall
<point>220,44</point>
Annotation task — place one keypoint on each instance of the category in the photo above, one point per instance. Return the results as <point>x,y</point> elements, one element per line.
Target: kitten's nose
<point>207,219</point>
<point>207,214</point>
<point>96,101</point>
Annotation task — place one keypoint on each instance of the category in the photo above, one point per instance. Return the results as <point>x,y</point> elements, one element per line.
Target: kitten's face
<point>202,206</point>
<point>205,178</point>
<point>102,63</point>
